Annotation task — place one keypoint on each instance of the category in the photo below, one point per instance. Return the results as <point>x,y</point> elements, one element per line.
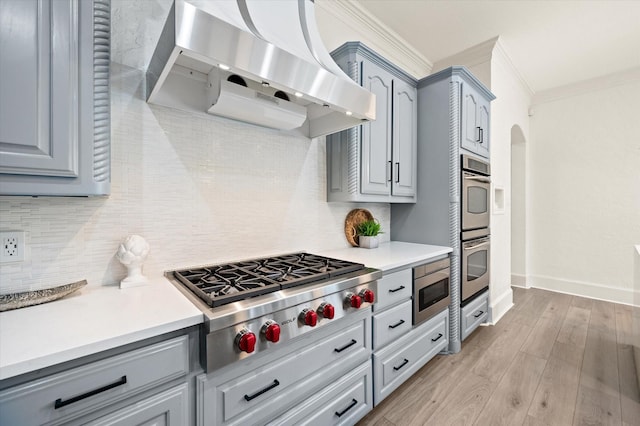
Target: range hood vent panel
<point>254,38</point>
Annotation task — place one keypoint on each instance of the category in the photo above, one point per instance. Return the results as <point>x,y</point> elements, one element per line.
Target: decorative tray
<point>36,297</point>
<point>355,218</point>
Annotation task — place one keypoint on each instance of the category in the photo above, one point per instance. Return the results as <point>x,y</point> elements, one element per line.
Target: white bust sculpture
<point>132,253</point>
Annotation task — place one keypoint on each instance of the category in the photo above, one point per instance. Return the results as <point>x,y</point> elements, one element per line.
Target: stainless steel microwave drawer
<point>64,396</point>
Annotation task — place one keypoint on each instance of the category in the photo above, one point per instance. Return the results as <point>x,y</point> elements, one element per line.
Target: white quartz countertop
<point>90,320</point>
<point>390,255</point>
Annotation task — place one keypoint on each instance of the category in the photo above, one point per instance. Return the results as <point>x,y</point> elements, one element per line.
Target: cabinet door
<point>470,120</point>
<point>39,86</point>
<point>483,117</point>
<point>405,139</point>
<point>376,135</point>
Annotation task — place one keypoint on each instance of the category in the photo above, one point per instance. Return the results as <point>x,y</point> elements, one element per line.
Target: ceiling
<point>552,43</point>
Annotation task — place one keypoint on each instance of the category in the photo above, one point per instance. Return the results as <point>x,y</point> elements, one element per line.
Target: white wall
<point>199,190</point>
<point>518,210</point>
<point>585,183</point>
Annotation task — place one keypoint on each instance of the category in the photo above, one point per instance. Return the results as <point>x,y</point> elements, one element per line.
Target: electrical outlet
<point>12,249</point>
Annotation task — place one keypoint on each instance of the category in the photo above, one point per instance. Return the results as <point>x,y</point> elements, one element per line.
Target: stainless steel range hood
<point>256,61</point>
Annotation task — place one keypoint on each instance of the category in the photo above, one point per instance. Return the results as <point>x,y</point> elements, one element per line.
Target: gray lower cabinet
<point>305,382</point>
<point>376,161</point>
<point>473,314</point>
<point>54,107</point>
<point>399,348</point>
<point>124,389</point>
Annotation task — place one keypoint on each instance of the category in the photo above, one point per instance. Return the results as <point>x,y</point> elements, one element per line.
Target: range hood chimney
<point>256,61</point>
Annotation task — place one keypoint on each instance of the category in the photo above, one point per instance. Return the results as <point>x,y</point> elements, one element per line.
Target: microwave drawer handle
<point>261,391</point>
<point>398,324</point>
<point>479,179</point>
<point>393,290</point>
<point>479,314</point>
<point>484,243</point>
<point>405,362</point>
<point>60,403</point>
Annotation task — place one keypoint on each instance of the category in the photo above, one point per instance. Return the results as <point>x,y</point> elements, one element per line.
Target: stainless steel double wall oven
<point>475,235</point>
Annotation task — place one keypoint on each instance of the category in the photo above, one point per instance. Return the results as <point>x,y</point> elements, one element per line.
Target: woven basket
<point>353,219</point>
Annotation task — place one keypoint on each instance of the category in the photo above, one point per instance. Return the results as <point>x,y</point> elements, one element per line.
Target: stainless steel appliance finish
<point>476,260</point>
<point>430,289</point>
<point>276,45</point>
<point>248,326</point>
<point>476,191</point>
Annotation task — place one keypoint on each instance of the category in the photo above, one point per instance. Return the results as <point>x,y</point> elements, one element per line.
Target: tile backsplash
<point>198,189</point>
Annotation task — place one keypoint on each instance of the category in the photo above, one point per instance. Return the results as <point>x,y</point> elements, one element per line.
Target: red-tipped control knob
<point>246,341</point>
<point>368,295</point>
<point>272,332</point>
<point>354,301</point>
<point>327,310</point>
<point>309,317</point>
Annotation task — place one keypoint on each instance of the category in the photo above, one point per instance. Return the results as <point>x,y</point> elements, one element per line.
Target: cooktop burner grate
<point>221,284</point>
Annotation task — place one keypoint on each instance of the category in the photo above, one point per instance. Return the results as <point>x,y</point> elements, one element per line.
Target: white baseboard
<point>519,280</point>
<point>584,289</point>
<point>501,305</point>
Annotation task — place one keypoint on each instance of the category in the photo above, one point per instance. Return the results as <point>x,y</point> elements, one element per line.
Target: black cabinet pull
<point>401,365</point>
<point>60,403</point>
<point>397,172</point>
<point>348,345</point>
<point>481,135</point>
<point>260,392</point>
<point>389,170</point>
<point>479,131</point>
<point>437,338</point>
<point>479,313</point>
<point>398,324</point>
<point>353,404</point>
<point>393,290</point>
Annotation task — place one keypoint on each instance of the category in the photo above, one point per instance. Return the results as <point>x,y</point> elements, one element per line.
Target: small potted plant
<point>367,232</point>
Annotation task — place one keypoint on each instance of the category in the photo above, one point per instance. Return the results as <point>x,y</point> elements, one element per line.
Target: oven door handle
<point>479,179</point>
<point>475,246</point>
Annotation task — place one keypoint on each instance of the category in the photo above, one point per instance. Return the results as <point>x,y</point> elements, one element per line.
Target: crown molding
<point>506,59</point>
<point>475,55</point>
<point>619,78</point>
<point>393,46</point>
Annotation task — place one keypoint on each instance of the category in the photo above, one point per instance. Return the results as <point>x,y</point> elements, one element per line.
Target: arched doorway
<point>518,208</point>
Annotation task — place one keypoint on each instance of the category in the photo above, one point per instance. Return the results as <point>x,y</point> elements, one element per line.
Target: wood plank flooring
<point>553,359</point>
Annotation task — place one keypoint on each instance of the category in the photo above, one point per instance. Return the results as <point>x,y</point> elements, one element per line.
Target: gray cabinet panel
<point>54,57</point>
<point>405,139</point>
<point>475,121</point>
<point>376,135</point>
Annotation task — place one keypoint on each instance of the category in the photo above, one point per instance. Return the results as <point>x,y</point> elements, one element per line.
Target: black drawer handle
<point>347,346</point>
<point>437,338</point>
<point>401,365</point>
<point>60,403</point>
<point>479,313</point>
<point>398,324</point>
<point>260,392</point>
<point>342,413</point>
<point>393,290</point>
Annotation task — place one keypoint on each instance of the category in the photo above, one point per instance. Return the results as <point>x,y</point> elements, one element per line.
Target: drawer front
<point>394,288</point>
<point>88,388</point>
<point>343,403</point>
<point>474,314</point>
<point>398,361</point>
<point>391,324</point>
<point>261,385</point>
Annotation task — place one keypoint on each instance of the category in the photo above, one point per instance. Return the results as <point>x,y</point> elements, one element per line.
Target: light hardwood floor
<point>553,359</point>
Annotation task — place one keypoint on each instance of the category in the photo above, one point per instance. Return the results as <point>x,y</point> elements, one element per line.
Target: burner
<point>221,284</point>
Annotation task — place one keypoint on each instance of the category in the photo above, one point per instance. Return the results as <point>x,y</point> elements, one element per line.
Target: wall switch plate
<point>12,248</point>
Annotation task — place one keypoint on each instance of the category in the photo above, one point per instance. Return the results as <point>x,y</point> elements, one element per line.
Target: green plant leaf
<point>369,228</point>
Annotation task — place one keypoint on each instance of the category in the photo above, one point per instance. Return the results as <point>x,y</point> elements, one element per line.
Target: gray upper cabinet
<point>475,121</point>
<point>376,161</point>
<point>54,102</point>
